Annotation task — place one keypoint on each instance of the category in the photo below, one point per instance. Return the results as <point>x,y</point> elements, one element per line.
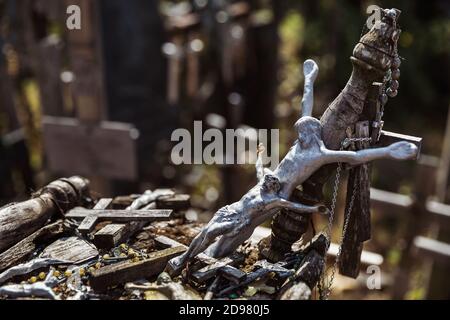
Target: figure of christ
<point>235,223</point>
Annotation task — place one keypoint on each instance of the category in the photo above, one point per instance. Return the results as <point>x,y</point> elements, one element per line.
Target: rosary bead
<point>394,85</point>
<point>396,63</point>
<point>395,74</point>
<point>391,93</point>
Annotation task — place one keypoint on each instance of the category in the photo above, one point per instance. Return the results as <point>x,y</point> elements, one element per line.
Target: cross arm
<point>388,137</point>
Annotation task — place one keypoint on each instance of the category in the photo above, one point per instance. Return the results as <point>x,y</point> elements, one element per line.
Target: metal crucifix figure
<point>236,222</point>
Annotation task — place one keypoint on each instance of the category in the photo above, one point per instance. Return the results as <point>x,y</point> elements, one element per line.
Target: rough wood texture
<point>127,271</point>
<point>21,250</point>
<point>113,234</point>
<point>19,220</point>
<point>73,249</point>
<point>359,227</point>
<point>88,223</point>
<point>308,273</point>
<point>121,215</point>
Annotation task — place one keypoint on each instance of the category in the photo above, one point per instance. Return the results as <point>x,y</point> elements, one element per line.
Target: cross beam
<point>388,137</point>
<point>121,215</point>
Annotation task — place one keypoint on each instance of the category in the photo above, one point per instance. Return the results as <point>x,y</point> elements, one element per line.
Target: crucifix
<point>355,113</point>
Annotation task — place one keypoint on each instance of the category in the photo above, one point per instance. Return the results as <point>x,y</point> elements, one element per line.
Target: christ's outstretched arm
<point>400,151</point>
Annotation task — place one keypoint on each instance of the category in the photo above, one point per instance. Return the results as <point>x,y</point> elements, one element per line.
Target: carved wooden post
<point>19,220</point>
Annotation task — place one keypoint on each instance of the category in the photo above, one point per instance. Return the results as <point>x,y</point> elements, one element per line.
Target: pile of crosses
<point>62,244</point>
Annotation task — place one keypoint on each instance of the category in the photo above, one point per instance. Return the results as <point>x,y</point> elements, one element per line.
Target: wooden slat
<point>437,250</point>
<point>367,258</point>
<point>103,203</point>
<point>89,222</point>
<point>440,211</point>
<point>389,202</point>
<point>127,271</point>
<point>121,215</point>
<point>113,234</point>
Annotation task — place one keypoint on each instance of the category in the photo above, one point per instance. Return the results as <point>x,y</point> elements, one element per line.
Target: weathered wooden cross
<point>100,212</point>
<point>359,226</point>
<point>88,145</point>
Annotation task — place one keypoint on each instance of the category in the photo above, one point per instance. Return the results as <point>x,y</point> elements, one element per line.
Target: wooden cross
<point>112,234</point>
<point>91,216</point>
<point>359,229</point>
<point>88,145</point>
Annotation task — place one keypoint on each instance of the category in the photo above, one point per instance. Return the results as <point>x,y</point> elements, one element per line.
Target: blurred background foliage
<point>324,30</point>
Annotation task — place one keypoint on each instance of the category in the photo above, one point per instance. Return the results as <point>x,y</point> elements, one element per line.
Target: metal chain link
<point>325,289</point>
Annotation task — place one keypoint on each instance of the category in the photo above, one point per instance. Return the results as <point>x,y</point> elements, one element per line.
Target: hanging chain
<point>325,288</point>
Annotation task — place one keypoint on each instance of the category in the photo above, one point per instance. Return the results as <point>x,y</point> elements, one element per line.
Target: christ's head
<point>309,130</point>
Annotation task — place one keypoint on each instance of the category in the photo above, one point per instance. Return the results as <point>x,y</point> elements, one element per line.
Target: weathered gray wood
<point>113,234</point>
<point>72,249</point>
<point>88,223</point>
<point>358,227</point>
<point>103,203</point>
<point>127,271</point>
<point>21,250</point>
<point>19,220</point>
<point>121,215</point>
